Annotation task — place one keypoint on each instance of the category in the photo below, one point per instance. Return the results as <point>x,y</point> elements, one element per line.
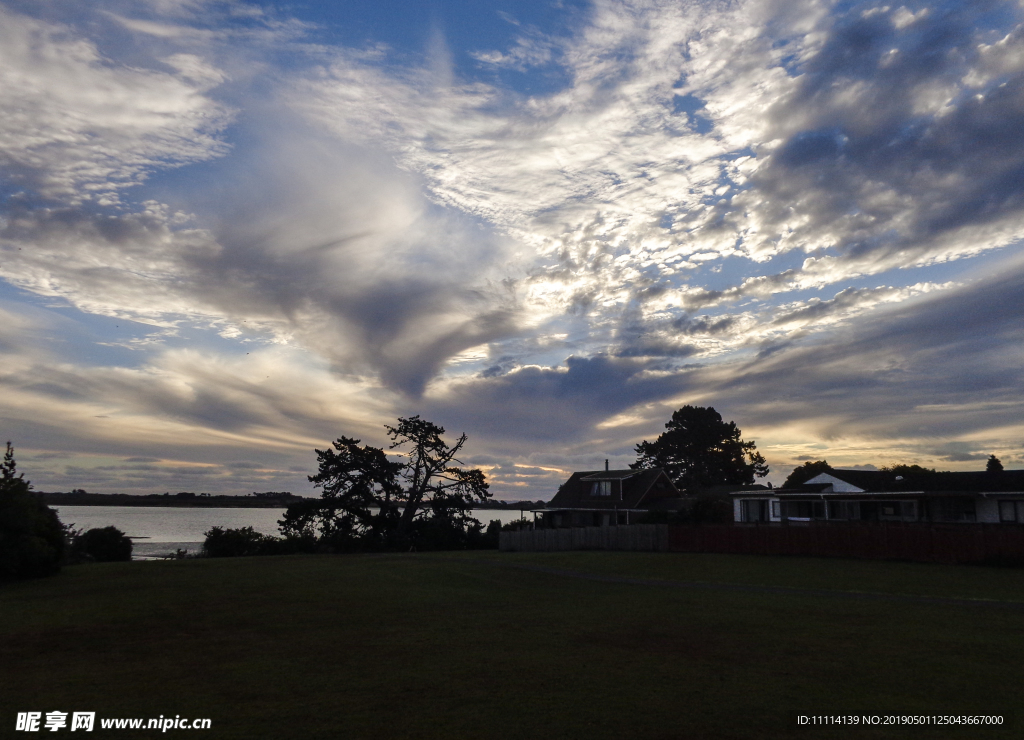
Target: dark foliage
<point>370,502</point>
<point>699,450</point>
<point>906,470</point>
<point>805,472</point>
<point>229,543</point>
<point>31,535</point>
<point>700,509</point>
<point>900,477</point>
<point>993,465</point>
<point>224,543</point>
<point>708,510</point>
<point>106,545</point>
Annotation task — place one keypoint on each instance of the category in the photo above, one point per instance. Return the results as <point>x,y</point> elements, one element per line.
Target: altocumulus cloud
<point>804,214</point>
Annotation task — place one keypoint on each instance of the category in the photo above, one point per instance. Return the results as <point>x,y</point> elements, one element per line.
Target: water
<point>159,531</point>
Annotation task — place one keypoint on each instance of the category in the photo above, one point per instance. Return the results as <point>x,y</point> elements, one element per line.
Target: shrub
<point>484,538</point>
<point>231,543</point>
<point>227,543</point>
<point>31,535</point>
<point>106,545</point>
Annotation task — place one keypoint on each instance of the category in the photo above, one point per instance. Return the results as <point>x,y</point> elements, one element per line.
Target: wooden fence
<point>644,537</point>
<point>926,543</point>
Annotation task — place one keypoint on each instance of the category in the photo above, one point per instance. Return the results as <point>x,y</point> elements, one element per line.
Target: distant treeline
<point>254,500</point>
<point>267,500</point>
<point>513,505</point>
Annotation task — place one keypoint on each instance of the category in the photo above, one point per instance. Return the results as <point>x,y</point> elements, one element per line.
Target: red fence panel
<point>926,543</point>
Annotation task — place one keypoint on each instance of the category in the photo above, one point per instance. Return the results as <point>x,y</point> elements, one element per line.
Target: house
<point>601,498</point>
<point>883,496</point>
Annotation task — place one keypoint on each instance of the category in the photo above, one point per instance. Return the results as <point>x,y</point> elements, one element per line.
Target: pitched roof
<point>610,475</point>
<point>639,488</point>
<point>874,481</point>
<point>735,488</point>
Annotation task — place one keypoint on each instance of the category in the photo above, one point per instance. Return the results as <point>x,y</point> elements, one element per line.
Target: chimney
<point>606,465</point>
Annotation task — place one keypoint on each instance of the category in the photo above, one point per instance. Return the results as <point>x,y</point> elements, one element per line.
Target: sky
<point>231,232</point>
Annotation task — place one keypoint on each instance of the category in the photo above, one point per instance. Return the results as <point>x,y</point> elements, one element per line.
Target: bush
<point>484,538</point>
<point>228,543</point>
<point>232,543</point>
<point>106,545</point>
<point>31,535</point>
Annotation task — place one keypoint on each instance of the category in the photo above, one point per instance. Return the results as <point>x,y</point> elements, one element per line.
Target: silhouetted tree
<point>993,465</point>
<point>805,472</point>
<point>699,450</point>
<point>103,545</point>
<point>907,470</point>
<point>370,501</point>
<point>31,535</point>
<point>907,477</point>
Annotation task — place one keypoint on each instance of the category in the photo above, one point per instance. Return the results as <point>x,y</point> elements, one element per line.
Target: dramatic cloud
<point>228,234</point>
<point>76,127</point>
<point>921,373</point>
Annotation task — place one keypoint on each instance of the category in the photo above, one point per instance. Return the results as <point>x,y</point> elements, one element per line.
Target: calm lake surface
<point>157,531</point>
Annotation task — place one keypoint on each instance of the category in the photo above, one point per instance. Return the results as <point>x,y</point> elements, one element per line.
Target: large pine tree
<point>699,450</point>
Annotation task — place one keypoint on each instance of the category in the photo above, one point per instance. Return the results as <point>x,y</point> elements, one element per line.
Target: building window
<point>796,509</point>
<point>803,509</point>
<point>953,510</point>
<point>843,510</point>
<point>753,510</point>
<point>1010,511</point>
<point>601,488</point>
<point>776,510</point>
<point>904,510</point>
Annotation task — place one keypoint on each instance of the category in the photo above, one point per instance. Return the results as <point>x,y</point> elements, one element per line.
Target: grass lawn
<point>486,645</point>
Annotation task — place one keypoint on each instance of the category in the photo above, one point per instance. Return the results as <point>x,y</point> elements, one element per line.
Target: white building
<point>875,495</point>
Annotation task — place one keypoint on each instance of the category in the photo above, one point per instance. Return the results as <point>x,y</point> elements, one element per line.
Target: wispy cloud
<point>77,128</point>
<point>755,205</point>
